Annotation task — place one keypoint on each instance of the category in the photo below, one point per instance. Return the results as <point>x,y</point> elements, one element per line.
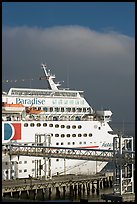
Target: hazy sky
<point>91,46</point>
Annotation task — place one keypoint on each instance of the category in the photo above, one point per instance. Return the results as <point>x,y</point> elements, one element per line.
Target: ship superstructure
<point>52,117</point>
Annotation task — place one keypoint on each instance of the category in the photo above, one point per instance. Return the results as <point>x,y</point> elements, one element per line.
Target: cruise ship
<point>59,116</point>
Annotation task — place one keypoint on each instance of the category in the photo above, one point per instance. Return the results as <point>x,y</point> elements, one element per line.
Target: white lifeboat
<point>17,108</point>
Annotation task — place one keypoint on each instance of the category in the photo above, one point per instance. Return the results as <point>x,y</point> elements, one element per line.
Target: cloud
<point>101,64</point>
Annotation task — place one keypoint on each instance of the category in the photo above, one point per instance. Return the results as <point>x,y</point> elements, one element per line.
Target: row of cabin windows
<point>63,135</point>
<point>57,109</point>
<point>74,135</point>
<point>51,125</point>
<point>69,143</point>
<point>20,171</point>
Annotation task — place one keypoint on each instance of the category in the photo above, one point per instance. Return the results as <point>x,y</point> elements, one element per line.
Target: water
<point>94,197</point>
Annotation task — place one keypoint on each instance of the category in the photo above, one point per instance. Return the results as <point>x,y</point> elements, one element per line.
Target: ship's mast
<point>50,77</point>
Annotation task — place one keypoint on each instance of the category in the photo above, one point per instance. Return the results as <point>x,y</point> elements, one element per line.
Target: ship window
<point>31,124</point>
<point>90,134</point>
<point>25,124</point>
<point>68,135</point>
<point>33,170</point>
<point>38,124</point>
<point>79,109</point>
<point>99,128</point>
<point>57,109</point>
<point>85,135</point>
<point>44,124</point>
<point>57,159</point>
<point>73,109</point>
<point>68,143</point>
<point>25,162</point>
<point>50,125</point>
<point>68,109</point>
<point>73,143</point>
<point>68,126</point>
<point>62,135</point>
<point>6,163</point>
<point>79,135</point>
<point>73,135</point>
<point>56,135</point>
<point>25,170</point>
<point>61,143</point>
<point>45,109</point>
<point>33,161</point>
<point>57,143</point>
<point>84,109</point>
<point>79,126</point>
<point>80,142</point>
<point>74,126</point>
<point>20,162</point>
<point>62,126</point>
<point>20,171</point>
<point>51,109</point>
<point>84,142</point>
<point>62,109</point>
<point>56,126</point>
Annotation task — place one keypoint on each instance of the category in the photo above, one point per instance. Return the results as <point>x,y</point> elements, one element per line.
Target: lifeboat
<point>13,107</point>
<point>33,111</point>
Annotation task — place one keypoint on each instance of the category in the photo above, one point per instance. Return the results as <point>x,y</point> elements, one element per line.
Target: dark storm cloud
<point>101,64</point>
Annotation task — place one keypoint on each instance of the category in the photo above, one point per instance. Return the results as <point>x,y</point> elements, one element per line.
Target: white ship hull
<point>100,139</point>
<point>53,117</point>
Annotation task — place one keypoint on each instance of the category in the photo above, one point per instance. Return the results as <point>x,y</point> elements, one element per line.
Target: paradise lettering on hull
<point>34,101</point>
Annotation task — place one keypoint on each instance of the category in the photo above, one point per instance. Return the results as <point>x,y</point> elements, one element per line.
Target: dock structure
<point>123,173</point>
<point>122,155</point>
<point>58,187</point>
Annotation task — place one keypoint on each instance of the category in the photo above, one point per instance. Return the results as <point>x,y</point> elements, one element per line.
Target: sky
<point>88,45</point>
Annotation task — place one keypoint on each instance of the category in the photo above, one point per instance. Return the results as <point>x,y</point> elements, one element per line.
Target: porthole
<point>44,124</point>
<point>25,124</point>
<point>38,124</point>
<point>79,135</point>
<point>32,124</point>
<point>74,126</point>
<point>62,126</point>
<point>62,135</point>
<point>56,135</point>
<point>79,126</point>
<point>85,135</point>
<point>90,134</point>
<point>51,125</point>
<point>73,135</point>
<point>68,135</point>
<point>56,126</point>
<point>68,126</point>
